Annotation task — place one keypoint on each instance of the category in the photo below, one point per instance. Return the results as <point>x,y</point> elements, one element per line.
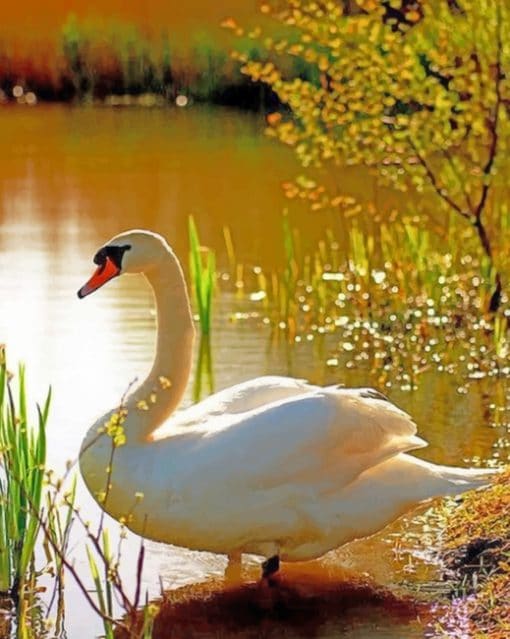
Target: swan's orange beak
<point>103,274</point>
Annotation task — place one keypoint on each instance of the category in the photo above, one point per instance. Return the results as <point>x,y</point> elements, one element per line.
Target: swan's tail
<point>458,480</point>
<point>424,480</point>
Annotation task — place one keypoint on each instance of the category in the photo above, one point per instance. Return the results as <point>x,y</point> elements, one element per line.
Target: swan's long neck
<point>161,392</point>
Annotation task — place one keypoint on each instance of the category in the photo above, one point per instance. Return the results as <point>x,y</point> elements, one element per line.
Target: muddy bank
<point>305,602</point>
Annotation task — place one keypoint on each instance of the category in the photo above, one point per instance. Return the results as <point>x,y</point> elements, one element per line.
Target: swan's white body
<point>272,466</point>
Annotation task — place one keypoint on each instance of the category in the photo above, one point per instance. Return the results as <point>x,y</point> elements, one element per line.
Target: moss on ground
<point>477,560</point>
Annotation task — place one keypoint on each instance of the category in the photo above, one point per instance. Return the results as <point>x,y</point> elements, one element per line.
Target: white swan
<point>273,466</point>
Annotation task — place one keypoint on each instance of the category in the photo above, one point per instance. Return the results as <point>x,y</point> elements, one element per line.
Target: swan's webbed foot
<point>269,569</point>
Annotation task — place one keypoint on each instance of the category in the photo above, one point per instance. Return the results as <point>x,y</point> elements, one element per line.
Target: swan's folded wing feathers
<point>241,398</point>
<point>322,438</point>
<point>376,424</point>
<point>260,391</point>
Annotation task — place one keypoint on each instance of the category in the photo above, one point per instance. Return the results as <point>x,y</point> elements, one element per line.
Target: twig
<point>492,125</point>
<point>433,181</point>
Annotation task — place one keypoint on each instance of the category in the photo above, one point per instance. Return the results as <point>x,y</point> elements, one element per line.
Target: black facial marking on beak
<point>115,253</point>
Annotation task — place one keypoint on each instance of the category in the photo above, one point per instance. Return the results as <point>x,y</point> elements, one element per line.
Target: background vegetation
<point>417,92</point>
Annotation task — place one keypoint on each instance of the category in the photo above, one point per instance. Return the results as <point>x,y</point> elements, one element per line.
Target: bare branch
<point>76,576</point>
<point>435,184</point>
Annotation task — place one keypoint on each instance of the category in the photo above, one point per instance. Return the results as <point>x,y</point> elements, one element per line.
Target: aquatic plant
<point>109,593</point>
<point>203,273</point>
<point>104,590</point>
<point>231,254</point>
<point>398,299</point>
<point>56,527</point>
<point>204,374</point>
<point>23,457</point>
<point>36,507</point>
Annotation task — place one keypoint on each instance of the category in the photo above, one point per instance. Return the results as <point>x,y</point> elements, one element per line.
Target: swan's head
<point>129,252</point>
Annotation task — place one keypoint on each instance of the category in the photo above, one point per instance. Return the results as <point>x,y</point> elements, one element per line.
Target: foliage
<point>23,455</point>
<point>416,91</point>
<point>36,508</point>
<point>105,59</point>
<point>202,277</point>
<point>114,57</point>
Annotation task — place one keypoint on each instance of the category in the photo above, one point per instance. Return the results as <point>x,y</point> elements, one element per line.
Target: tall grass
<point>203,273</point>
<point>37,508</point>
<point>103,585</point>
<point>400,298</point>
<point>108,593</point>
<point>23,457</point>
<point>56,530</point>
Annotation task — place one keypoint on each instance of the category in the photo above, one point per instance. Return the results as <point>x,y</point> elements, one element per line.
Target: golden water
<point>69,179</point>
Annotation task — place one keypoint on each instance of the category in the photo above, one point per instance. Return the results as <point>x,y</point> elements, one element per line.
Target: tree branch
<point>492,124</point>
<point>451,162</point>
<point>435,184</point>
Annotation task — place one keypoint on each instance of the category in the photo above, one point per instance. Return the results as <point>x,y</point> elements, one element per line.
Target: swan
<point>274,466</point>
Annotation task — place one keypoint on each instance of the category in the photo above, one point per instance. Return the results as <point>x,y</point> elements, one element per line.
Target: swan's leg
<point>270,567</point>
<point>234,566</point>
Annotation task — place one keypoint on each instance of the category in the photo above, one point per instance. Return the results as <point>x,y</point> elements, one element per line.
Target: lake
<point>71,178</point>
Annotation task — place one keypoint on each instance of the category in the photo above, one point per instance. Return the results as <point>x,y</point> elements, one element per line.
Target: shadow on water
<point>309,600</point>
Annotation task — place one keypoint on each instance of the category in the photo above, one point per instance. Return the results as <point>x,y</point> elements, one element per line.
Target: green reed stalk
<point>204,370</point>
<point>291,273</point>
<point>148,614</point>
<point>361,247</point>
<point>23,455</point>
<point>56,538</point>
<point>231,254</point>
<point>500,336</point>
<point>202,276</point>
<point>103,586</point>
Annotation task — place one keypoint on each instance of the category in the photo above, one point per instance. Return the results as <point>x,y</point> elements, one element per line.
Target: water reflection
<point>203,383</point>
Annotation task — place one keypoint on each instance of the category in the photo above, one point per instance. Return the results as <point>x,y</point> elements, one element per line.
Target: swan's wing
<point>241,398</point>
<point>376,424</point>
<point>322,440</point>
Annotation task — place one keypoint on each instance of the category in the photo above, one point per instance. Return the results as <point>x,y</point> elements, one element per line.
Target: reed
<point>231,254</point>
<point>400,298</point>
<point>23,455</point>
<point>203,273</point>
<point>204,373</point>
<point>37,508</point>
<point>103,583</point>
<point>56,529</point>
<point>108,594</point>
